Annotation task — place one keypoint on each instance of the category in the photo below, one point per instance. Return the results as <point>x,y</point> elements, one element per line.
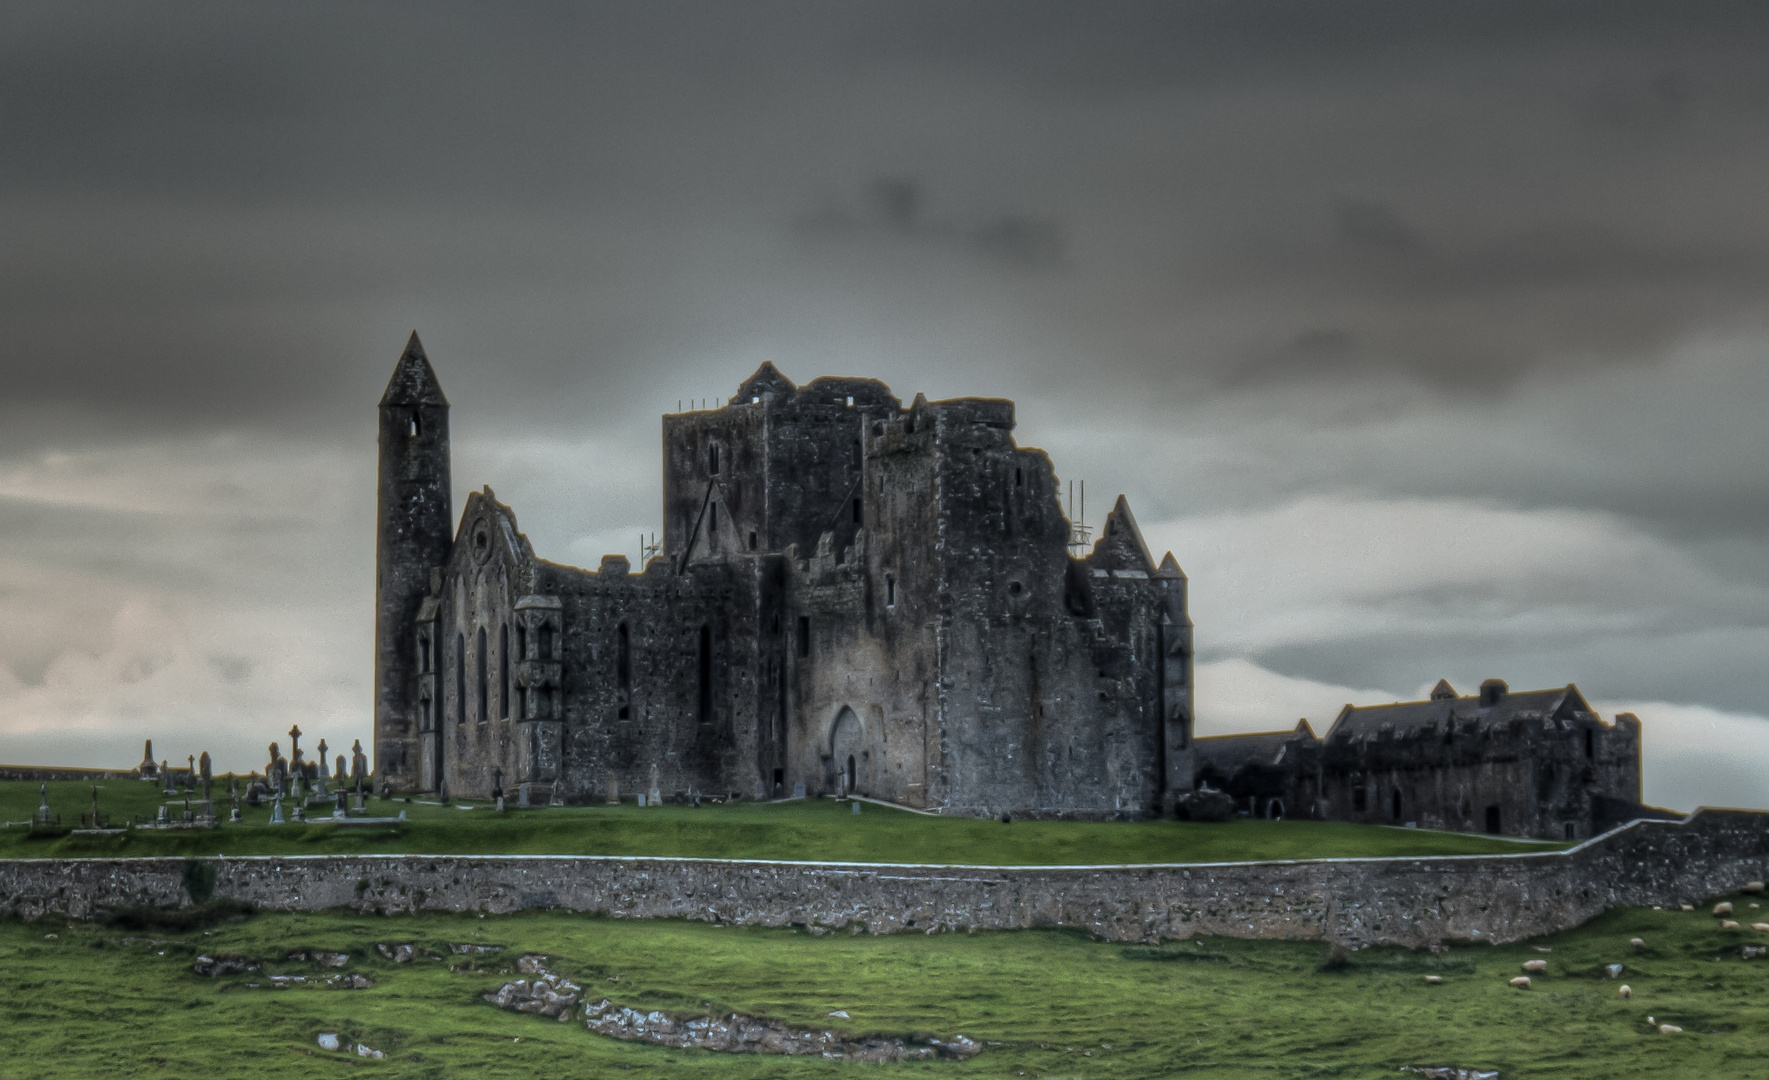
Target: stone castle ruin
<point>858,597</point>
<point>853,596</point>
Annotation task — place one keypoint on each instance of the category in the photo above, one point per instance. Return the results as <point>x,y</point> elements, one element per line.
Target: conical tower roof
<point>414,382</point>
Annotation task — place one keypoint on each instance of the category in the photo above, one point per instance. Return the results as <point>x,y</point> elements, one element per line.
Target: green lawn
<point>84,1003</point>
<point>810,829</point>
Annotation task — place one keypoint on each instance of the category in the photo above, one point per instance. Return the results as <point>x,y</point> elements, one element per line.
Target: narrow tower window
<point>482,680</point>
<point>752,540</point>
<point>890,590</point>
<point>704,703</point>
<point>1590,743</point>
<point>414,426</point>
<point>504,670</point>
<point>460,679</point>
<point>804,635</point>
<point>623,668</point>
<point>712,461</point>
<point>1394,804</point>
<point>856,511</point>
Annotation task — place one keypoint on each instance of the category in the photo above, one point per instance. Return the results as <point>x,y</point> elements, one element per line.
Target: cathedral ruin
<point>853,596</point>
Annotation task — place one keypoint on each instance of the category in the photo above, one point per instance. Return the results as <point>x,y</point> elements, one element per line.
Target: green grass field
<point>85,1003</point>
<point>809,829</point>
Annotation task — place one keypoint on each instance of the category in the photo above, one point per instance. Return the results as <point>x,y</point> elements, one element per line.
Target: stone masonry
<point>852,596</point>
<point>1402,901</point>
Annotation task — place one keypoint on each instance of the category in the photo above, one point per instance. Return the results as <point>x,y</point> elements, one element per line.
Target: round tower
<point>414,528</point>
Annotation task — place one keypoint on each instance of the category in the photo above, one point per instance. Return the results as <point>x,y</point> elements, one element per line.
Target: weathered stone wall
<point>1402,901</point>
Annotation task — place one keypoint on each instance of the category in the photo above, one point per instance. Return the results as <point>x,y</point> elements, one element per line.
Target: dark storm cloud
<point>1225,255</point>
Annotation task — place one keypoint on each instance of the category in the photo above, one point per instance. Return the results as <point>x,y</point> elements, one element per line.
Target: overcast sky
<point>1431,338</point>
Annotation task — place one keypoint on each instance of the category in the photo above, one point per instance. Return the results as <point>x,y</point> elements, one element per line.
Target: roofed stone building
<point>852,596</point>
<point>1538,763</point>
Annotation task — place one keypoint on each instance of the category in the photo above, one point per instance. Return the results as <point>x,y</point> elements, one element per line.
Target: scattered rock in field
<point>1753,887</point>
<point>321,957</point>
<point>1724,907</point>
<point>1669,1029</point>
<point>399,954</point>
<point>1434,980</point>
<point>223,964</point>
<point>531,964</point>
<point>842,1013</point>
<point>287,980</point>
<point>1521,982</point>
<point>328,1040</point>
<point>1450,1072</point>
<point>462,950</point>
<point>737,1033</point>
<point>352,982</point>
<point>1543,948</point>
<point>1751,952</point>
<point>1626,991</point>
<point>1614,971</point>
<point>368,1051</point>
<point>1638,943</point>
<point>1535,967</point>
<point>1729,924</point>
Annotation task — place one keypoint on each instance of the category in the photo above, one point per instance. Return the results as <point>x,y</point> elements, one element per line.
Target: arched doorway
<point>847,771</point>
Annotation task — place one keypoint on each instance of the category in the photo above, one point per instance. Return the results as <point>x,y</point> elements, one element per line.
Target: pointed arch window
<point>481,658</point>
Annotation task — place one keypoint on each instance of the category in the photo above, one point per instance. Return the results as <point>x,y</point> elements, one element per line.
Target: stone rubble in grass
<point>1751,952</point>
<point>461,950</point>
<point>224,964</point>
<point>321,957</point>
<point>1614,971</point>
<point>1451,1072</point>
<point>548,994</point>
<point>328,1040</point>
<point>368,1051</point>
<point>399,954</point>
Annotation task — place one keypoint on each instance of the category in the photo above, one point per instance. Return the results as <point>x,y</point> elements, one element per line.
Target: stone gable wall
<point>1403,901</point>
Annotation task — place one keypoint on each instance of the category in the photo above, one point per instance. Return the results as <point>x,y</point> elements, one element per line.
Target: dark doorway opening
<point>1394,804</point>
<point>779,783</point>
<point>1492,820</point>
<point>851,774</point>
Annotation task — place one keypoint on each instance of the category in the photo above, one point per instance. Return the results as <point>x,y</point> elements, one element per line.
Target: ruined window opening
<point>1015,587</point>
<point>712,460</point>
<point>852,775</point>
<point>623,668</point>
<point>712,518</point>
<point>752,540</point>
<point>1569,830</point>
<point>856,511</point>
<point>704,704</point>
<point>1590,743</point>
<point>521,641</point>
<point>414,427</point>
<point>460,679</point>
<point>890,590</point>
<point>1357,798</point>
<point>482,673</point>
<point>1019,478</point>
<point>521,702</point>
<point>504,670</point>
<point>850,401</point>
<point>546,642</point>
<point>423,653</point>
<point>1394,804</point>
<point>1492,819</point>
<point>779,782</point>
<point>804,635</point>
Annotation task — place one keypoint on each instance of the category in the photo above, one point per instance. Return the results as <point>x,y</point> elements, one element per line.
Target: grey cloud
<point>897,207</point>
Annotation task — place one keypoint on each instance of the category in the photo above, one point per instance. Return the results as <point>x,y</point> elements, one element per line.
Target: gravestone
<point>798,790</point>
<point>653,794</point>
<point>320,779</point>
<point>166,771</point>
<point>359,765</point>
<point>205,770</point>
<point>613,789</point>
<point>276,811</point>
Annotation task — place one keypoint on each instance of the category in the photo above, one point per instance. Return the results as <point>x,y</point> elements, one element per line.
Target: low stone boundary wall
<point>1404,901</point>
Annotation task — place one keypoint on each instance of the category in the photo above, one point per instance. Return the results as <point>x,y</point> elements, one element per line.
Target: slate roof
<point>1408,717</point>
<point>1228,753</point>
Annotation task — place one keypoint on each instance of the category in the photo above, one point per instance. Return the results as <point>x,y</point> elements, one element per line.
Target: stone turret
<point>414,531</point>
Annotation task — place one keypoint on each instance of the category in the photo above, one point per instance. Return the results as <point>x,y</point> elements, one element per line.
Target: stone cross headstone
<point>276,810</point>
<point>188,815</point>
<point>276,774</point>
<point>205,769</point>
<point>359,765</point>
<point>338,773</point>
<point>43,805</point>
<point>166,771</point>
<point>320,789</point>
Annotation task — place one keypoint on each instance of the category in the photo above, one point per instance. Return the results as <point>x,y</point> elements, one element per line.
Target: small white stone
<point>1669,1029</point>
<point>328,1040</point>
